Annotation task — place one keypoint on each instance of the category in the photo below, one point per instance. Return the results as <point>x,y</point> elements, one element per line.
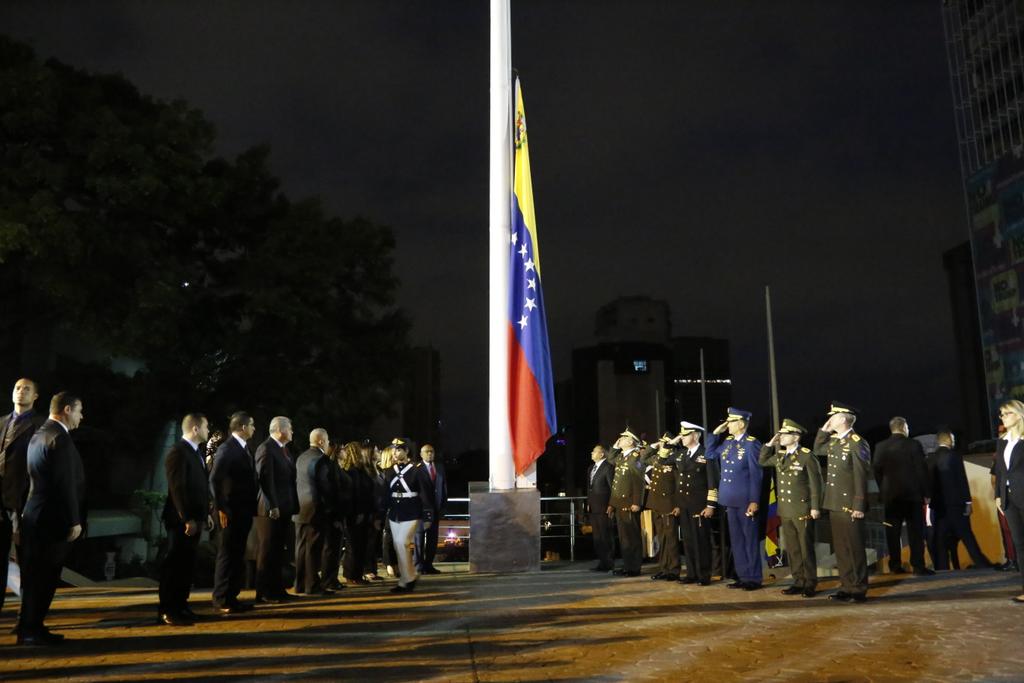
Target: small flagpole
<point>771,361</point>
<point>703,392</point>
<point>499,446</point>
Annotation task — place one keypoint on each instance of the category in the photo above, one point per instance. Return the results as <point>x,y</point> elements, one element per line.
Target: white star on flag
<point>515,237</point>
<point>522,322</point>
<point>522,252</point>
<point>529,264</point>
<point>531,284</point>
<point>530,304</point>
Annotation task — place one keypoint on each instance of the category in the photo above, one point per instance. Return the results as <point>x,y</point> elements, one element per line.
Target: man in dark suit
<point>16,430</point>
<point>53,515</point>
<point>335,532</point>
<point>951,505</point>
<point>599,491</point>
<point>275,504</point>
<point>233,485</point>
<point>902,475</point>
<point>426,535</point>
<point>317,495</point>
<point>187,509</point>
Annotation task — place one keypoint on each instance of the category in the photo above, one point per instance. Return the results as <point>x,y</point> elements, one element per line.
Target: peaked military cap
<point>737,414</point>
<point>791,427</point>
<point>689,428</point>
<point>400,442</point>
<point>839,407</point>
<point>630,434</point>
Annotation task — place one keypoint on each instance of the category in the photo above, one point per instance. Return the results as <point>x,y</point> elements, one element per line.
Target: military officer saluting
<point>661,501</point>
<point>739,492</point>
<point>626,499</point>
<point>696,498</point>
<point>846,498</point>
<point>798,495</point>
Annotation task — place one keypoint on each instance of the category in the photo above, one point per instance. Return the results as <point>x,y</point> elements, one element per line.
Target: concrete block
<point>504,531</point>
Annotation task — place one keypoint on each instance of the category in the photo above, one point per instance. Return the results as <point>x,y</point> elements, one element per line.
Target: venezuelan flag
<point>531,382</point>
<point>771,541</point>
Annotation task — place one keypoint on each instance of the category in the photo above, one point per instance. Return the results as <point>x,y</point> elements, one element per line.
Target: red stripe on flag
<point>527,425</point>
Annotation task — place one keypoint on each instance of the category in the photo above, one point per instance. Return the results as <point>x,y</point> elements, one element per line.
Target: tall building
<point>639,375</point>
<point>985,49</point>
<point>973,424</point>
<point>701,380</point>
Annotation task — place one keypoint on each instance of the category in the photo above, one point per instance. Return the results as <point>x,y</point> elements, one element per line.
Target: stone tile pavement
<point>563,624</point>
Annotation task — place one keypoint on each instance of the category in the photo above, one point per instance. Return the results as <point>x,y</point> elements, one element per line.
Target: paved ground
<point>562,624</point>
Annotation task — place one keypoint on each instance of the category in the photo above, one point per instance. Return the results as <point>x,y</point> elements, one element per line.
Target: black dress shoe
<point>898,569</point>
<point>626,574</point>
<point>792,590</point>
<point>618,572</point>
<point>737,584</point>
<point>599,568</point>
<point>809,593</point>
<point>704,582</point>
<point>41,639</point>
<point>859,597</point>
<point>671,577</point>
<point>189,614</point>
<point>752,586</point>
<point>687,579</point>
<point>173,619</point>
<point>401,589</point>
<point>659,576</point>
<point>431,570</point>
<point>269,600</point>
<point>232,608</point>
<point>841,596</point>
<point>1004,567</point>
<point>924,571</point>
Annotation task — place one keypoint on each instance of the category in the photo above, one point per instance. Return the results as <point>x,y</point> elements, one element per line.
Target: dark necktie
<point>6,442</point>
<point>433,474</point>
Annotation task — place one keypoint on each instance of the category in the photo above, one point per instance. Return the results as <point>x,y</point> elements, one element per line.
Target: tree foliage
<point>123,231</point>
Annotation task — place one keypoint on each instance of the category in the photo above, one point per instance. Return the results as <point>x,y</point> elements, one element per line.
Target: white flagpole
<point>499,445</point>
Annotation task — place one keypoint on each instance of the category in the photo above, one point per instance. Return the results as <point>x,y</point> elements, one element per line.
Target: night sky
<point>693,152</point>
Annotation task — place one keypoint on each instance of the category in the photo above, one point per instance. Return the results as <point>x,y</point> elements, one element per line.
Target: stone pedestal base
<point>504,530</point>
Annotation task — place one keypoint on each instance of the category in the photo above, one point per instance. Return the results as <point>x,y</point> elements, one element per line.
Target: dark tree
<point>122,234</point>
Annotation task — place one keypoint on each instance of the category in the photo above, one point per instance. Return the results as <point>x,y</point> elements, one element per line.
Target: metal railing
<point>560,518</point>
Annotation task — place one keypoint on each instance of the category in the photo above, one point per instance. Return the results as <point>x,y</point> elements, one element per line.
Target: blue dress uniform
<point>740,485</point>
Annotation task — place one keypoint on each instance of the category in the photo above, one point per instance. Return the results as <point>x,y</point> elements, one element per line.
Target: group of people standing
<point>352,497</point>
<point>335,497</point>
<point>711,496</point>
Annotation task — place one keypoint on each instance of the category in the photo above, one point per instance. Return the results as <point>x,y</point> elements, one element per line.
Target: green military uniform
<point>797,492</point>
<point>661,501</point>
<point>846,491</point>
<point>628,490</point>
